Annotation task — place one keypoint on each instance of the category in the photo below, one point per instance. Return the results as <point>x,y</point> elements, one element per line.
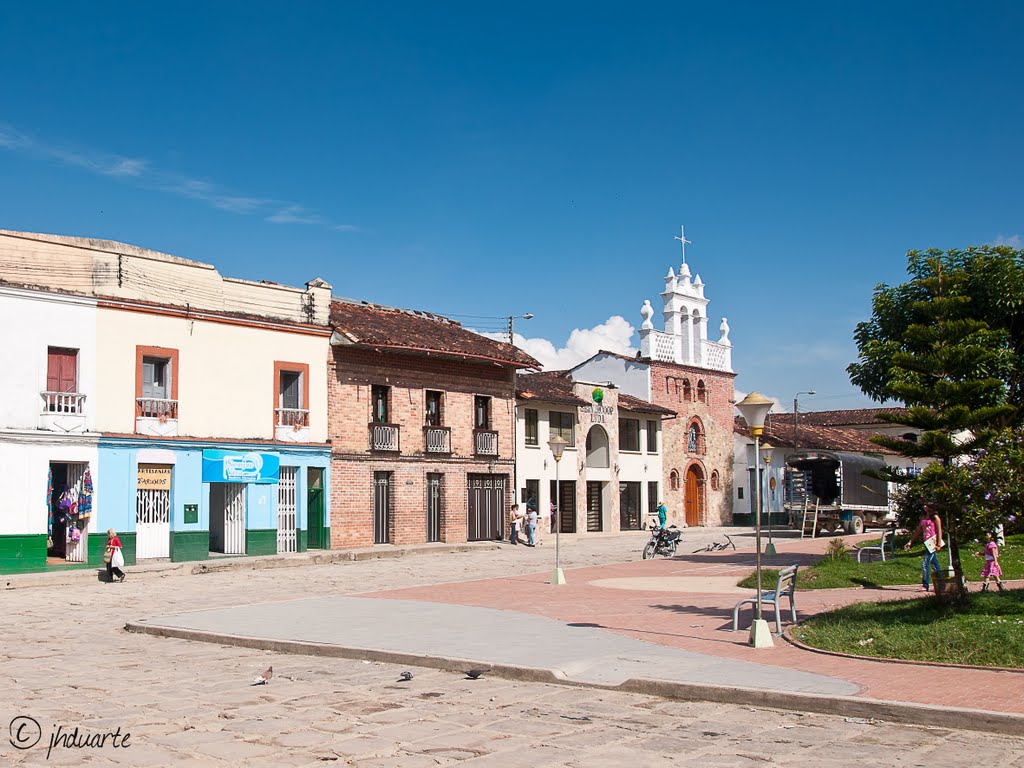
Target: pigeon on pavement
<point>406,677</point>
<point>265,677</point>
<point>474,674</point>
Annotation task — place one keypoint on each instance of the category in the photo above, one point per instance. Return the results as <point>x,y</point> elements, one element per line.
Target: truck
<point>832,490</point>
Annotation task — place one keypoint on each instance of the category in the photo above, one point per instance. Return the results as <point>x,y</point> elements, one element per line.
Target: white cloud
<point>614,335</point>
<point>1014,241</point>
<point>140,173</point>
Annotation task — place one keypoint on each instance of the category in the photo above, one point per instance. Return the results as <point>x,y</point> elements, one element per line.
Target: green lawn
<point>989,631</point>
<point>904,569</point>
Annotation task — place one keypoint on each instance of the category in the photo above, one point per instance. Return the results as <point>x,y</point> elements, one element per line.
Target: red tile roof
<point>549,387</point>
<point>780,434</point>
<point>630,403</point>
<point>843,418</point>
<point>372,325</point>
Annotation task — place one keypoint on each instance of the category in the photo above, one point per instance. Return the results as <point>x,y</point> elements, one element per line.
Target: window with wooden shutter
<point>61,369</point>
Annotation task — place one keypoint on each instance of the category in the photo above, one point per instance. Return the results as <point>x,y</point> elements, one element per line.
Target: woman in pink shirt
<point>929,530</point>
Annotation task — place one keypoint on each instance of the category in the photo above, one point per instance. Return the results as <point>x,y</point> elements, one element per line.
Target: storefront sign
<point>598,413</point>
<point>239,467</point>
<point>154,477</point>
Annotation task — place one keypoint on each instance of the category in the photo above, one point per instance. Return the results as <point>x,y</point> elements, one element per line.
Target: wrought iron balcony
<point>437,439</point>
<point>384,437</point>
<point>156,416</point>
<point>486,442</point>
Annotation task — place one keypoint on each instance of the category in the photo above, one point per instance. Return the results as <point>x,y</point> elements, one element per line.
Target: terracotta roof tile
<point>780,434</point>
<point>372,325</point>
<point>549,387</point>
<point>844,418</point>
<point>631,403</point>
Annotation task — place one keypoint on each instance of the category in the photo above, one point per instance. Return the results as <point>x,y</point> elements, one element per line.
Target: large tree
<point>947,344</point>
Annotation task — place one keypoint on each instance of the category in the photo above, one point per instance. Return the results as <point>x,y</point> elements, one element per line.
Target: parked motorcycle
<point>664,541</point>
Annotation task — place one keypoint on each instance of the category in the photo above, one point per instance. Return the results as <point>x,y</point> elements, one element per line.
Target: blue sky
<point>491,159</point>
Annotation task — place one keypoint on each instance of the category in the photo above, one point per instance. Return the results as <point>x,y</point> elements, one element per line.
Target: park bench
<point>888,543</point>
<point>784,587</point>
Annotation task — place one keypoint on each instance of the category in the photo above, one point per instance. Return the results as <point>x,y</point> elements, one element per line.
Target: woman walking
<point>929,530</point>
<point>113,557</point>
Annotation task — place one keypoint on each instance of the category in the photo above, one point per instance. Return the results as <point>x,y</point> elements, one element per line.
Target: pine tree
<point>927,346</point>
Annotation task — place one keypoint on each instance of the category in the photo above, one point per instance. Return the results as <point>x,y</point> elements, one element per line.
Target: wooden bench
<point>784,587</point>
<point>888,543</point>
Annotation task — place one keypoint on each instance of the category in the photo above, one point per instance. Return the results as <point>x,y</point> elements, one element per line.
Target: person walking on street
<point>531,528</point>
<point>991,567</point>
<point>113,557</point>
<point>929,531</point>
<point>515,521</point>
<point>662,514</point>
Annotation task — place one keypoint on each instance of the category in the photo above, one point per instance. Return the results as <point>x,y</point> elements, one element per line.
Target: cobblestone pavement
<point>66,661</point>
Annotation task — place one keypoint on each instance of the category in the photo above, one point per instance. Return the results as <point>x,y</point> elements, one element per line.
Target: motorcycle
<point>664,541</point>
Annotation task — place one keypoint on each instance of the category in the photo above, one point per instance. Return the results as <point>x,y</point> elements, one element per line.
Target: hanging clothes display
<point>49,507</point>
<point>85,500</point>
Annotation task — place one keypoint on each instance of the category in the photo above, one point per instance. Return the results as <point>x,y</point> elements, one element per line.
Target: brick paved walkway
<point>700,621</point>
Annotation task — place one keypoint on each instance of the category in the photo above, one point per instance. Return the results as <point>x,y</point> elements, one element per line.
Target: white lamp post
<point>754,407</point>
<point>766,451</point>
<point>557,445</point>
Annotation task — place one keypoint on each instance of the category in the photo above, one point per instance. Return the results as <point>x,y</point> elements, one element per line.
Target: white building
<point>48,437</point>
<point>610,473</point>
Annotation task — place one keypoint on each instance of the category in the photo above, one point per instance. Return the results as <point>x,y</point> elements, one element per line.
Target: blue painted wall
<point>119,471</point>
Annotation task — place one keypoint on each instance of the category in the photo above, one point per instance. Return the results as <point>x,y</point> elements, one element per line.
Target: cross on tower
<point>683,242</point>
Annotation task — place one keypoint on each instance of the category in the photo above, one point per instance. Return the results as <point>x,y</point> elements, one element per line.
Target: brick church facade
<point>681,369</point>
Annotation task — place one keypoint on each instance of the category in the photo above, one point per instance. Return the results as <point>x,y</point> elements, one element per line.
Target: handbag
<point>107,555</point>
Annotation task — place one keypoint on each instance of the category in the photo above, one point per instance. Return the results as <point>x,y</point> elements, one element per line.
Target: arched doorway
<point>694,495</point>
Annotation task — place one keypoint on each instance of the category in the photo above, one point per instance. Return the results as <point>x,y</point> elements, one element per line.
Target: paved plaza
<point>67,662</point>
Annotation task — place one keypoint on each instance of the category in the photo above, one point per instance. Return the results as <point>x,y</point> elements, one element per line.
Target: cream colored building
<point>206,397</point>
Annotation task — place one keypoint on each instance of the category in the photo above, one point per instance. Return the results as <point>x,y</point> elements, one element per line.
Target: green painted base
<point>98,545</point>
<point>23,553</point>
<point>261,542</point>
<point>300,540</point>
<point>190,545</point>
<point>769,550</point>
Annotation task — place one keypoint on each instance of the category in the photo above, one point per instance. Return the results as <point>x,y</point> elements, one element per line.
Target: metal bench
<point>784,587</point>
<point>888,542</point>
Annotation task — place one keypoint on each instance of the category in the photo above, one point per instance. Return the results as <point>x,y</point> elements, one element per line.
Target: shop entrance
<point>317,533</point>
<point>70,495</point>
<point>287,540</point>
<point>227,518</point>
<point>153,512</point>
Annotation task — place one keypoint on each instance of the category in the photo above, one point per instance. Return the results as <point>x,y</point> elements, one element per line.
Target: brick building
<point>421,421</point>
<point>681,369</point>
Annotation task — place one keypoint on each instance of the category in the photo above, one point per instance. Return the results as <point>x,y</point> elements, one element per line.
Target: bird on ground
<point>265,677</point>
<point>405,677</point>
<point>474,674</point>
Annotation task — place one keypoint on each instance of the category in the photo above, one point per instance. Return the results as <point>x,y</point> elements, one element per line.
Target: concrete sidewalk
<point>657,626</point>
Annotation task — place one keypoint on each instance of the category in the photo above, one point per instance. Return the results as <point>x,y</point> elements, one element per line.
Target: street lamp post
<point>511,325</point>
<point>766,451</point>
<point>557,445</point>
<point>754,407</point>
<point>796,417</point>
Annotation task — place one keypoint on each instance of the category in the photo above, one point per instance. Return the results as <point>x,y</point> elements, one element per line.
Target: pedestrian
<point>662,514</point>
<point>991,567</point>
<point>113,557</point>
<point>929,530</point>
<point>531,528</point>
<point>515,521</point>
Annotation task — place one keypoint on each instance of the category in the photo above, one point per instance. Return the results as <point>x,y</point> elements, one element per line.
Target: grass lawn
<point>904,569</point>
<point>989,631</point>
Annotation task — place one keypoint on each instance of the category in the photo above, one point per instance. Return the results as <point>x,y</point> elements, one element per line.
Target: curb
<point>787,636</point>
<point>239,563</point>
<point>1005,723</point>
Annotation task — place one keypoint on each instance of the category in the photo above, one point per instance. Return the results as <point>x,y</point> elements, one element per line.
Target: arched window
<point>673,480</point>
<point>668,386</point>
<point>716,483</point>
<point>695,438</point>
<point>597,448</point>
<point>687,390</point>
<point>702,392</point>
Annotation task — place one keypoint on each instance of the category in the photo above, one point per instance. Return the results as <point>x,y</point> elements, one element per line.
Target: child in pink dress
<point>991,567</point>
